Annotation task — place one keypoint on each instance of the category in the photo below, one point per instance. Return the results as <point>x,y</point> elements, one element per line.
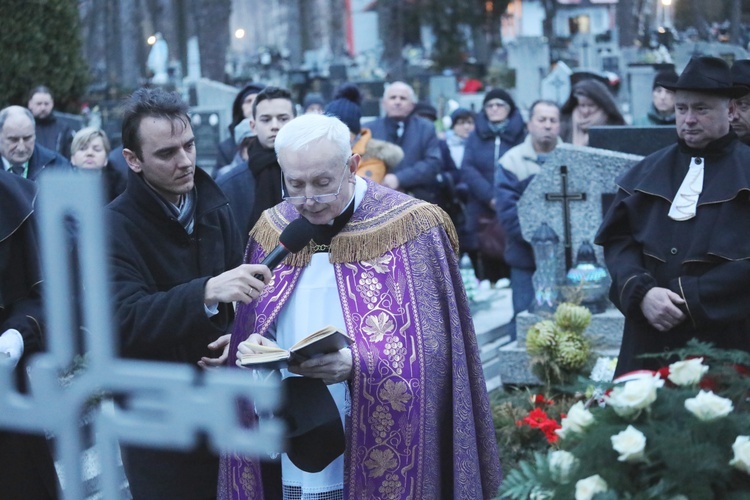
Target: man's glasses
<point>317,198</point>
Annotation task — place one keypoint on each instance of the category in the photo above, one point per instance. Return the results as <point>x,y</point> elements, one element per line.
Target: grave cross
<point>565,197</point>
<point>170,405</point>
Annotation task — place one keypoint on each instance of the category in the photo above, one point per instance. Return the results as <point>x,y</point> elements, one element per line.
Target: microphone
<point>293,238</point>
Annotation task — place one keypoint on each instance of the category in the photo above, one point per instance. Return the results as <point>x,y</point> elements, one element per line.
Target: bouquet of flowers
<point>682,432</point>
<point>558,349</point>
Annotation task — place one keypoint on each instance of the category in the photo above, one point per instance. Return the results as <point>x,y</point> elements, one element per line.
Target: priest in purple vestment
<point>383,268</point>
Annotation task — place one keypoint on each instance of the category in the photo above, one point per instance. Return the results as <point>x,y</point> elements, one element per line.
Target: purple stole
<point>420,423</point>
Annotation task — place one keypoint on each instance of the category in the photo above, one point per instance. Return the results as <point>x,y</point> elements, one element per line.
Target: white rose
<point>561,464</point>
<point>687,372</point>
<point>587,488</point>
<point>577,419</point>
<point>708,406</point>
<point>634,395</point>
<point>741,448</point>
<point>630,444</point>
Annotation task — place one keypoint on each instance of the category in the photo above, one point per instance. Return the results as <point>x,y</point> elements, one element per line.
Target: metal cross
<point>171,405</point>
<point>565,197</point>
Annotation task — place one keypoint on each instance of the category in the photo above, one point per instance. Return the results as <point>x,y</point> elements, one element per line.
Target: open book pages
<point>323,341</point>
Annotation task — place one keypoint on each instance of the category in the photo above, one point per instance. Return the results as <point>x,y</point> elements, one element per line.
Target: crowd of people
<point>392,207</point>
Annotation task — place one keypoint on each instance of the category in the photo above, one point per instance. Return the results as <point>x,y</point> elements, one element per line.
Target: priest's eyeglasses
<point>317,198</point>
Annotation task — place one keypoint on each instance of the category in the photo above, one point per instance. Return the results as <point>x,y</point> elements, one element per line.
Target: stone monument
<point>570,194</point>
<point>529,57</point>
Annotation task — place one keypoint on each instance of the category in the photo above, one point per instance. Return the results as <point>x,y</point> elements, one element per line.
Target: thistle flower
<point>572,317</point>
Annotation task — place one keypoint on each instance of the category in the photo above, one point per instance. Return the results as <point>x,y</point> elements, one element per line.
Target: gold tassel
<point>363,240</point>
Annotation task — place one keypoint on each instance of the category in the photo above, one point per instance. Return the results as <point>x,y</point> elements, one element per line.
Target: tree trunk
<point>627,22</point>
<point>213,36</point>
<point>390,23</point>
<point>735,17</point>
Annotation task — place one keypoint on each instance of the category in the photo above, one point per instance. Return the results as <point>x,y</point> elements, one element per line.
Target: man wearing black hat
<point>679,264</point>
<point>740,120</point>
<point>417,173</point>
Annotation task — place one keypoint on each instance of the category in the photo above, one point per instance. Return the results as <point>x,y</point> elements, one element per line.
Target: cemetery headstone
<point>172,405</point>
<point>633,140</point>
<point>207,130</point>
<point>590,172</point>
<point>529,57</point>
<point>556,85</point>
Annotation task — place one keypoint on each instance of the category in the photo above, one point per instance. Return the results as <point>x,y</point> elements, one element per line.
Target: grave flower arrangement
<point>682,432</point>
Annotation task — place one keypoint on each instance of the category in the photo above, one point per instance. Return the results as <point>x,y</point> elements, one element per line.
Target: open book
<point>324,341</point>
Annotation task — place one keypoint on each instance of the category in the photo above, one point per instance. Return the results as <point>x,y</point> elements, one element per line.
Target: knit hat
<point>346,107</point>
<point>425,110</point>
<point>668,76</point>
<point>460,114</point>
<point>242,131</point>
<point>312,98</point>
<point>500,94</point>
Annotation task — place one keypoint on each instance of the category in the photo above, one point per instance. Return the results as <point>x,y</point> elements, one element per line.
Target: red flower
<point>538,419</point>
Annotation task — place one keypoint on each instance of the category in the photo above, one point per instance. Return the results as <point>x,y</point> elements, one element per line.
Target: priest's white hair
<point>304,132</point>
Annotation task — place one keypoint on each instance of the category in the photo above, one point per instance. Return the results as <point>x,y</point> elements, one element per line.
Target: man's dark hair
<point>153,102</point>
<point>39,89</point>
<point>542,101</point>
<point>269,93</point>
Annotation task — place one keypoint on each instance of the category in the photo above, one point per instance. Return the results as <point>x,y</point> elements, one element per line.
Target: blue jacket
<point>483,150</point>
<point>238,185</point>
<point>417,172</point>
<point>43,158</point>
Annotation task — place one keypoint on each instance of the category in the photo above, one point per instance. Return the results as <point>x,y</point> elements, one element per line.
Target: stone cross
<point>172,405</point>
<point>589,170</point>
<point>565,197</point>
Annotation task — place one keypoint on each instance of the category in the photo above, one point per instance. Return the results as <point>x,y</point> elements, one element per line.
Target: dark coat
<point>53,133</point>
<point>418,170</point>
<point>227,148</point>
<point>238,185</point>
<point>478,169</point>
<point>26,466</point>
<point>159,272</point>
<point>705,260</point>
<point>43,158</point>
<point>518,251</point>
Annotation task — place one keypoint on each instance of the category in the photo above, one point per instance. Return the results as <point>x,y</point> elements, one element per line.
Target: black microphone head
<point>297,235</point>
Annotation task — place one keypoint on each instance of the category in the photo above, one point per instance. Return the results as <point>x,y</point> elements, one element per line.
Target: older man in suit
<point>417,173</point>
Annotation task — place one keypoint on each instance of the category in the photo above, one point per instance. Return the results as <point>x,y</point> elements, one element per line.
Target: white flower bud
<point>630,444</point>
<point>708,406</point>
<point>688,372</point>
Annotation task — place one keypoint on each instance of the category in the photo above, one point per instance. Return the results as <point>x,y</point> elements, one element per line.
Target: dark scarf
<point>262,163</point>
<point>716,147</point>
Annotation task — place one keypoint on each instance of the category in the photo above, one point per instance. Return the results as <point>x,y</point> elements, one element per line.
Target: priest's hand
<point>331,368</point>
<point>237,285</point>
<point>251,346</point>
<point>220,343</point>
<point>660,307</point>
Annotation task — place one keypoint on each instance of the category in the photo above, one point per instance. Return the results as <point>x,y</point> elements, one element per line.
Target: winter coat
<point>417,172</point>
<point>483,150</point>
<point>159,271</point>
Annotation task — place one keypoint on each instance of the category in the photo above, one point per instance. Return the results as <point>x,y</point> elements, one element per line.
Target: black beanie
<point>500,94</point>
<point>665,77</point>
<point>346,107</point>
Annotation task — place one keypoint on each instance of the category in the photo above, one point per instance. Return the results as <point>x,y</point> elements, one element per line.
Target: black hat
<point>741,73</point>
<point>425,110</point>
<point>314,427</point>
<point>346,107</point>
<point>707,75</point>
<point>502,95</point>
<point>668,76</point>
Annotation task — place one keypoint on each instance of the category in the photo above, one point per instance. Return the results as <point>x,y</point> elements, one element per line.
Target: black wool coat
<point>705,260</point>
<point>159,271</point>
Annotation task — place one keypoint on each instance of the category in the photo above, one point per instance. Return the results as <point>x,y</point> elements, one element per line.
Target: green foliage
<point>683,455</point>
<point>40,45</point>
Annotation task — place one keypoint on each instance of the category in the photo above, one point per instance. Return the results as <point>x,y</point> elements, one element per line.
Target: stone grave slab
<point>556,85</point>
<point>529,57</point>
<point>571,201</point>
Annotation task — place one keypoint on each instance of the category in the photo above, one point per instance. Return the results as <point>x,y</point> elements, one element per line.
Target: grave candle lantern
<point>545,242</point>
<point>590,278</point>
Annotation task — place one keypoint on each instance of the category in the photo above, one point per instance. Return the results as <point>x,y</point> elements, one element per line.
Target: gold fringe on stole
<point>364,240</point>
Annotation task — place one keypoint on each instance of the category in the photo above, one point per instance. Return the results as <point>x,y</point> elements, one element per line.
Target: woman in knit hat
<point>661,111</point>
<point>590,105</point>
<point>377,156</point>
<point>499,127</point>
